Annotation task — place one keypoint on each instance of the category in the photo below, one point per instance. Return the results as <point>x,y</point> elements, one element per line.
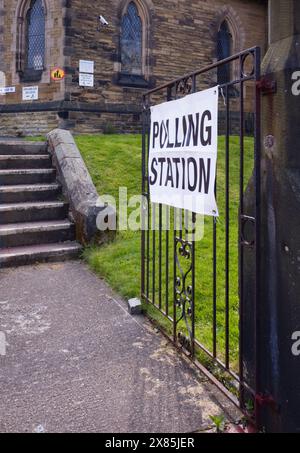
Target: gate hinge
<point>267,85</point>
<point>267,400</point>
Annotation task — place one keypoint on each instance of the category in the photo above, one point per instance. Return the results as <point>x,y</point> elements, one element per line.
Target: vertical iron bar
<point>194,88</point>
<point>181,217</point>
<point>149,204</point>
<point>148,249</point>
<point>193,288</point>
<point>174,275</point>
<point>153,253</point>
<point>167,258</point>
<point>160,257</point>
<point>194,84</point>
<point>227,233</point>
<point>241,247</point>
<point>169,97</point>
<point>215,283</point>
<point>257,153</point>
<point>143,193</point>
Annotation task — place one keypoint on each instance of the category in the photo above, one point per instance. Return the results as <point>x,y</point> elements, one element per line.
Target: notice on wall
<point>86,80</point>
<point>7,90</point>
<point>30,93</point>
<point>183,152</point>
<point>86,73</point>
<point>86,66</point>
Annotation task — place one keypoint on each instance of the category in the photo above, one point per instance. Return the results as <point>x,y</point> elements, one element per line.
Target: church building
<point>84,66</point>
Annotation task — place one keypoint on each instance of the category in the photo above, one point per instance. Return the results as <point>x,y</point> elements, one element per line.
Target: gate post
<point>278,313</point>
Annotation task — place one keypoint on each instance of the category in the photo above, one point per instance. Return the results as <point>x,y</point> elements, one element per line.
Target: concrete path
<point>76,361</point>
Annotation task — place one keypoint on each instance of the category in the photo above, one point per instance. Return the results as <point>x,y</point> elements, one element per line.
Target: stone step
<point>19,256</point>
<point>29,176</point>
<point>22,147</point>
<point>33,211</point>
<point>25,162</point>
<point>33,233</point>
<point>34,225</point>
<point>25,193</point>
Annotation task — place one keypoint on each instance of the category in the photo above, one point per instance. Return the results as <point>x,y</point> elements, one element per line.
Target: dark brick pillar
<point>278,403</point>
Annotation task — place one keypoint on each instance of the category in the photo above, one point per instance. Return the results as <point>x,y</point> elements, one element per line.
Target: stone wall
<point>107,123</point>
<point>22,124</point>
<point>55,16</point>
<point>181,37</point>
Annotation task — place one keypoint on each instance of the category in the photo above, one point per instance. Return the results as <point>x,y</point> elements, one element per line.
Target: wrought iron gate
<point>198,287</point>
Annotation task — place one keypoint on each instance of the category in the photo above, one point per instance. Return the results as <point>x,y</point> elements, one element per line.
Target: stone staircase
<point>34,222</point>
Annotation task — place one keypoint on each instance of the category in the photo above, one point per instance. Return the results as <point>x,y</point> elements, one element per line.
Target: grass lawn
<point>115,161</point>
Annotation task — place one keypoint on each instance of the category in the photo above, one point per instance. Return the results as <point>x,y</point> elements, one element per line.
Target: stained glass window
<point>35,42</point>
<point>131,41</point>
<point>224,50</point>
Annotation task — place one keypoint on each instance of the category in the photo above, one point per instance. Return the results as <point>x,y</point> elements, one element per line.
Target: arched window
<point>131,41</point>
<point>32,23</point>
<point>224,50</point>
<point>35,36</point>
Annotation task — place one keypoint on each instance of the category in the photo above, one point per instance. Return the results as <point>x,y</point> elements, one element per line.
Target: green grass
<point>115,161</point>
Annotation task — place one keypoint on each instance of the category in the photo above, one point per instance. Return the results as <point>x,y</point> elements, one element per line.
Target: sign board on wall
<point>86,66</point>
<point>183,152</point>
<point>57,74</point>
<point>7,90</point>
<point>30,93</point>
<point>86,80</point>
<point>86,73</point>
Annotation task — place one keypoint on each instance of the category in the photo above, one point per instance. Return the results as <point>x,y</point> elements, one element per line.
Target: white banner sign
<point>30,93</point>
<point>183,152</point>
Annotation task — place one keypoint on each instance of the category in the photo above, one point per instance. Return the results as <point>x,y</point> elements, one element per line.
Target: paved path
<point>76,361</point>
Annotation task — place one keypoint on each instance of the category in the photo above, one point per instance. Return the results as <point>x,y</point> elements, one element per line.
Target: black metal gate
<point>198,288</point>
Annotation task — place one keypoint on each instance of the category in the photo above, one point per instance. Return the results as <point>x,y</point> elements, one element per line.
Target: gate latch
<point>267,85</point>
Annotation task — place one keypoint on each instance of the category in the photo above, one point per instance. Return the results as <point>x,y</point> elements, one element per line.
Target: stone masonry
<point>179,37</point>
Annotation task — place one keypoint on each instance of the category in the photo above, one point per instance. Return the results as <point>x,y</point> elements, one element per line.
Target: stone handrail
<point>78,188</point>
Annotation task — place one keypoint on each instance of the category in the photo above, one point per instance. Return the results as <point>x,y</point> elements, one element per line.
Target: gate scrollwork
<point>184,291</point>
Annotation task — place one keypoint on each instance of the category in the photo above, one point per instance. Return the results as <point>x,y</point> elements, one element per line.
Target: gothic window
<point>31,40</point>
<point>35,36</point>
<point>224,50</point>
<point>131,41</point>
